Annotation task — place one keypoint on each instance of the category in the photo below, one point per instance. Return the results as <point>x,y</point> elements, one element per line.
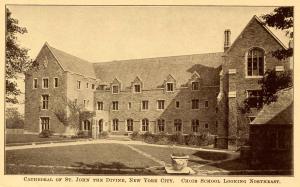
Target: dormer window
<point>195,85</point>
<point>170,87</point>
<point>115,89</point>
<point>255,63</point>
<point>137,88</point>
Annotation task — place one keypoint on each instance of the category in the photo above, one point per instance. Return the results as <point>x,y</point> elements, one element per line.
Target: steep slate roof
<point>154,71</point>
<point>279,112</point>
<point>72,63</point>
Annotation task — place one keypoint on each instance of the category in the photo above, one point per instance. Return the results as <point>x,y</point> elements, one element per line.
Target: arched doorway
<point>100,127</point>
<point>86,125</point>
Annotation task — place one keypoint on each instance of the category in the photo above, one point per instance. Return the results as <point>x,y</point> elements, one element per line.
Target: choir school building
<point>188,94</point>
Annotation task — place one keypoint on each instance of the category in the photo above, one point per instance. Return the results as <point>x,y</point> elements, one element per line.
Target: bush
<point>103,135</point>
<point>45,134</point>
<point>162,139</point>
<point>136,136</point>
<point>177,138</point>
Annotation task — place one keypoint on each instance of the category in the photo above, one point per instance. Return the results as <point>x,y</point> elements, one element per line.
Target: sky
<point>107,33</point>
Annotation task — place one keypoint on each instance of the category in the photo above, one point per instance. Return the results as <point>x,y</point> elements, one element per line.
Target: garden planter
<point>179,162</point>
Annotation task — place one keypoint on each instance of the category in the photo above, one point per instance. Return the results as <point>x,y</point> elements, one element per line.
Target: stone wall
<point>234,67</point>
<point>48,68</point>
<point>169,114</point>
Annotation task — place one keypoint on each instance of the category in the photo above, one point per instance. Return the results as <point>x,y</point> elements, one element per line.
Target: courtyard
<point>109,157</point>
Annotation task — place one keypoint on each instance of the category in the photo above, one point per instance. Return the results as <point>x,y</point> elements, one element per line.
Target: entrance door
<point>100,125</point>
<point>45,123</point>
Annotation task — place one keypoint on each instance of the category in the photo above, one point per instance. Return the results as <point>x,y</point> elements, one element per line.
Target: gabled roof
<point>72,64</point>
<point>255,18</point>
<point>279,112</point>
<point>154,71</point>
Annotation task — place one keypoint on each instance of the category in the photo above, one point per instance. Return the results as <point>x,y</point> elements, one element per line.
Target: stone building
<point>189,94</point>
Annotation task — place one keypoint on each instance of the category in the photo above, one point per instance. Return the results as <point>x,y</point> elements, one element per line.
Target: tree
<point>282,18</point>
<point>17,59</point>
<point>13,119</point>
<point>76,114</point>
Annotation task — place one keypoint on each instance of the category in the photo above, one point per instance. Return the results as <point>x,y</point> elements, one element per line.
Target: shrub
<point>45,134</point>
<point>177,138</point>
<point>192,139</point>
<point>136,136</point>
<point>162,139</point>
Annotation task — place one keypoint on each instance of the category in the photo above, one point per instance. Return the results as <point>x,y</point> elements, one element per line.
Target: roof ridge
<point>154,58</point>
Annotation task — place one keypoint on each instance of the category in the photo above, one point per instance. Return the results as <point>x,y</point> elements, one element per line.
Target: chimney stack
<point>227,42</point>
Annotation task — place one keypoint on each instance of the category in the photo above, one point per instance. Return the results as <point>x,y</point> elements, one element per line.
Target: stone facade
<point>222,77</point>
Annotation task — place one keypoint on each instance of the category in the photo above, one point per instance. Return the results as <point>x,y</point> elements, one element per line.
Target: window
<point>55,82</point>
<point>115,125</point>
<point>206,125</point>
<point>254,98</point>
<point>85,102</point>
<point>130,125</point>
<point>93,86</point>
<point>161,125</point>
<point>195,85</point>
<point>45,125</point>
<point>177,125</point>
<point>160,104</point>
<point>217,124</point>
<point>115,89</point>
<point>87,85</point>
<point>195,104</point>
<point>129,105</point>
<point>100,123</point>
<point>255,62</point>
<point>206,104</point>
<point>145,125</point>
<point>217,110</point>
<point>170,87</point>
<point>137,88</point>
<point>45,101</point>
<point>86,125</point>
<point>195,125</point>
<point>35,83</point>
<point>115,105</point>
<point>78,84</point>
<point>99,105</point>
<point>177,104</point>
<point>144,105</point>
<point>45,83</point>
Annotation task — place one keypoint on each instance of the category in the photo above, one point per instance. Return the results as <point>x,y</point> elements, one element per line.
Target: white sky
<point>106,33</point>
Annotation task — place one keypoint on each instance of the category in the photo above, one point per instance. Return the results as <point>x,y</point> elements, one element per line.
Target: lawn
<point>27,138</point>
<point>196,157</point>
<point>89,155</point>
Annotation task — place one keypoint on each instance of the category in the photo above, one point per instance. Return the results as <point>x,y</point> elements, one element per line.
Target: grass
<point>196,157</point>
<point>28,138</point>
<point>91,155</point>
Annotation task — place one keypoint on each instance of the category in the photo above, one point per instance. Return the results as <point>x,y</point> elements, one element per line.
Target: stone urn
<point>179,161</point>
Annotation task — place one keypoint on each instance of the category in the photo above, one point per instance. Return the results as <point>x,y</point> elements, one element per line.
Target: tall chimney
<point>227,42</point>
